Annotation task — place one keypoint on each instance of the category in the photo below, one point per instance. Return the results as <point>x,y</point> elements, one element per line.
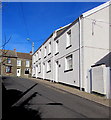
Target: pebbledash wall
<point>70,51</point>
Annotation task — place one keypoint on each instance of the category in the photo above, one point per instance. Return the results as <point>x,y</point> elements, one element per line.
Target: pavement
<point>93,97</point>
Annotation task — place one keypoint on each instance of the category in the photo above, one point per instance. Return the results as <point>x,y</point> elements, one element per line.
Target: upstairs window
<point>57,47</point>
<point>8,60</point>
<point>49,47</point>
<point>18,62</point>
<point>45,51</point>
<point>27,63</point>
<point>49,66</point>
<point>34,58</point>
<point>37,56</point>
<point>40,54</point>
<point>69,63</point>
<point>68,39</point>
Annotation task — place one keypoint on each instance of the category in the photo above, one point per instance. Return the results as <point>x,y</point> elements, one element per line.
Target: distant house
<point>14,63</point>
<point>8,62</point>
<point>24,63</point>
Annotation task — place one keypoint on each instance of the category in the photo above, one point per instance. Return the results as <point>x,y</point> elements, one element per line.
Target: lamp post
<point>32,45</point>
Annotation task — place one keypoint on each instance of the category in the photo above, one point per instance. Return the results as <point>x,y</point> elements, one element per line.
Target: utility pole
<point>32,45</point>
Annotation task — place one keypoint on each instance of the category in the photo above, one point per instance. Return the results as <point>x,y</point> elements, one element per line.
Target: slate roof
<point>8,53</point>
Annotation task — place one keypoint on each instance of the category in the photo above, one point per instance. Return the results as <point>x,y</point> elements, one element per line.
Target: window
<point>27,63</point>
<point>18,62</point>
<point>49,66</point>
<point>27,71</point>
<point>36,56</point>
<point>68,39</point>
<point>8,60</point>
<point>39,67</point>
<point>49,47</point>
<point>40,54</point>
<point>45,51</point>
<point>68,63</point>
<point>57,47</point>
<point>8,69</point>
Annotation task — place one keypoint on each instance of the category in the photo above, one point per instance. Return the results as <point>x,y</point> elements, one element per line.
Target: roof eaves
<point>70,25</point>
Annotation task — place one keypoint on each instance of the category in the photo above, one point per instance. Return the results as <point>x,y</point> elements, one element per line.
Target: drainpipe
<point>80,80</point>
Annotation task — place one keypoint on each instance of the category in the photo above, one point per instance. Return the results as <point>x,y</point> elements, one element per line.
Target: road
<point>54,103</point>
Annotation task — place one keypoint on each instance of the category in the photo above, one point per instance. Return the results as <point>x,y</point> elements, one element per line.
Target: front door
<point>18,72</point>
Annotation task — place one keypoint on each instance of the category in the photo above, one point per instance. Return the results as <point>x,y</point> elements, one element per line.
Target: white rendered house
<point>71,51</point>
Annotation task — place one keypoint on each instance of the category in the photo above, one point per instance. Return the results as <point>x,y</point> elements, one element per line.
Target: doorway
<point>18,72</point>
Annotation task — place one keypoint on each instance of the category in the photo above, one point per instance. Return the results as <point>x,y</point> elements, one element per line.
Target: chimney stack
<point>30,52</point>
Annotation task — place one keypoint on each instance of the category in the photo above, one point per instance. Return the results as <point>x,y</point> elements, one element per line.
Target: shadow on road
<point>9,97</point>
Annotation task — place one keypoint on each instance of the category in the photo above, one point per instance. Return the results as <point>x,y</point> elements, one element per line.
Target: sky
<point>37,20</point>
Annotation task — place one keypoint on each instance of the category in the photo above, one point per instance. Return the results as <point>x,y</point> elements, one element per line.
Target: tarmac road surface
<point>53,103</point>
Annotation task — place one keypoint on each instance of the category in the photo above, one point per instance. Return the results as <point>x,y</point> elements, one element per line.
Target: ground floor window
<point>27,71</point>
<point>69,62</point>
<point>49,66</point>
<point>39,68</point>
<point>8,69</point>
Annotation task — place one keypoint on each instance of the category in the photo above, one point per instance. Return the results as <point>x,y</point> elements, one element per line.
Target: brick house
<point>24,63</point>
<point>8,62</point>
<point>14,63</point>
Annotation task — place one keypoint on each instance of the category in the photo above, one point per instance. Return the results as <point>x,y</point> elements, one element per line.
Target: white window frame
<point>68,39</point>
<point>45,51</point>
<point>39,68</point>
<point>18,62</point>
<point>56,46</point>
<point>37,56</point>
<point>27,63</point>
<point>49,66</point>
<point>69,63</point>
<point>49,47</point>
<point>40,54</point>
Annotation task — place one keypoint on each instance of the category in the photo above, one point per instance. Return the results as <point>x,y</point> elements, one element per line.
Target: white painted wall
<point>87,49</point>
<point>70,77</point>
<point>96,46</point>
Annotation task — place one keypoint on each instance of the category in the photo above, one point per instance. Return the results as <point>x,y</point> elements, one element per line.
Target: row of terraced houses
<point>78,54</point>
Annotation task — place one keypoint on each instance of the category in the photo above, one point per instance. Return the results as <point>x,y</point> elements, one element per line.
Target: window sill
<point>48,71</point>
<point>68,70</point>
<point>49,53</point>
<point>68,46</point>
<point>56,53</point>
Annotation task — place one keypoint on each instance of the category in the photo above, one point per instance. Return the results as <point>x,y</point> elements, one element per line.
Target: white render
<point>89,44</point>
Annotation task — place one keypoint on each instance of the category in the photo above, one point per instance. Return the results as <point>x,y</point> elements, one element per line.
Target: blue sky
<point>37,20</point>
